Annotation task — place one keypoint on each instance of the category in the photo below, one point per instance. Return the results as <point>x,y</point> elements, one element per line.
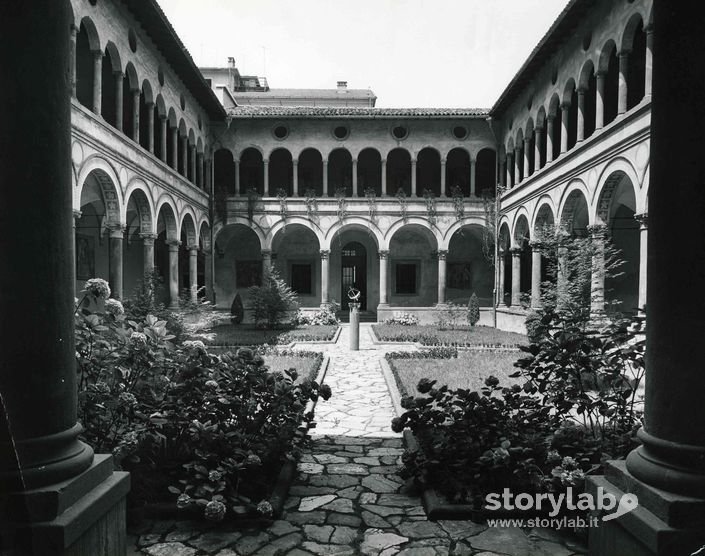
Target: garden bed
<point>465,336</point>
<point>248,335</point>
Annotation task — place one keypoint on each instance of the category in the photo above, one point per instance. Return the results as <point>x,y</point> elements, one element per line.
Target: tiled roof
<point>308,93</point>
<point>353,112</point>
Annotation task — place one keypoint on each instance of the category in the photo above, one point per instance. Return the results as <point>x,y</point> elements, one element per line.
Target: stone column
<point>355,192</point>
<point>173,273</point>
<point>600,100</point>
<point>383,181</point>
<point>174,147</point>
<point>473,185</point>
<point>527,155</point>
<point>538,137</point>
<point>295,178</point>
<point>73,30</point>
<point>510,166</point>
<point>535,275</point>
<point>97,81</point>
<point>237,178</point>
<point>565,116</point>
<point>42,462</point>
<point>649,62</point>
<point>148,252</point>
<point>500,288</point>
<point>383,277</point>
<point>643,220</point>
<point>117,236</point>
<point>598,234</point>
<point>163,139</point>
<point>150,127</point>
<point>325,256</point>
<point>266,192</point>
<point>516,277</point>
<point>193,272</point>
<point>623,73</point>
<point>442,255</point>
<point>414,193</point>
<point>581,115</point>
<point>208,274</point>
<point>119,76</point>
<point>444,193</point>
<point>325,178</point>
<point>550,129</point>
<point>136,115</point>
<point>518,166</point>
<point>184,156</point>
<point>266,260</point>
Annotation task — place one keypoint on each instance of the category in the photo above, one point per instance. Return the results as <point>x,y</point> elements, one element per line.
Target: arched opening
<point>130,83</point>
<point>399,172</point>
<point>541,127</point>
<point>340,173</point>
<point>369,172</point>
<point>138,221</point>
<point>413,267</point>
<point>171,149</point>
<point>296,255</point>
<point>353,260</point>
<point>485,172</point>
<point>575,218</point>
<point>468,271</point>
<point>182,150</point>
<point>609,64</point>
<point>146,118</point>
<point>238,264</point>
<point>511,166</point>
<point>110,67</point>
<point>251,171</point>
<point>85,74</point>
<point>505,269</point>
<point>530,146</point>
<point>588,84</point>
<point>521,240</point>
<point>281,172</point>
<point>555,112</point>
<point>188,240</point>
<point>636,71</point>
<point>166,234</point>
<point>571,97</point>
<point>428,172</point>
<point>353,273</point>
<point>617,208</point>
<point>458,172</point>
<point>544,225</point>
<point>191,157</point>
<point>99,212</point>
<point>519,157</point>
<point>311,172</point>
<point>161,132</point>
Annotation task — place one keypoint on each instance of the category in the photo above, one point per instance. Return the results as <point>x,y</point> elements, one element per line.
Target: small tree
<point>473,310</point>
<point>271,301</point>
<point>237,310</point>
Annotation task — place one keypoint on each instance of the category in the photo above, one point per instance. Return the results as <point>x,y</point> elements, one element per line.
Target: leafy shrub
<point>147,300</point>
<point>430,353</point>
<point>405,319</point>
<point>449,315</point>
<point>322,317</point>
<point>237,310</point>
<point>473,310</point>
<point>271,301</point>
<point>213,428</point>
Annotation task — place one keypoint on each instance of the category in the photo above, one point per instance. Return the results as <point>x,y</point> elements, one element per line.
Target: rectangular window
<point>405,278</point>
<point>302,278</point>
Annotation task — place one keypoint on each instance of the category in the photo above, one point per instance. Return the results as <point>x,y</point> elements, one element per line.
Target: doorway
<point>353,263</point>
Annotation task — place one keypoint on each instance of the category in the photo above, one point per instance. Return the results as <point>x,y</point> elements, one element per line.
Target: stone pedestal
<point>354,326</point>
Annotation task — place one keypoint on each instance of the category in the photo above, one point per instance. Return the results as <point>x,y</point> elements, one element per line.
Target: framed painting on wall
<point>85,257</point>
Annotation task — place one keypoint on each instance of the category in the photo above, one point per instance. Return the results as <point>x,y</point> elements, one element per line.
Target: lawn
<point>306,363</point>
<point>248,335</point>
<point>432,336</point>
<point>468,370</point>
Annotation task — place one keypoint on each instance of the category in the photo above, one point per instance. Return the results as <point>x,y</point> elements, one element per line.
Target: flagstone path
<point>347,498</point>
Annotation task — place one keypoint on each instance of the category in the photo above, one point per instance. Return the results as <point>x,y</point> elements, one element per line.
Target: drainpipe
<point>498,190</point>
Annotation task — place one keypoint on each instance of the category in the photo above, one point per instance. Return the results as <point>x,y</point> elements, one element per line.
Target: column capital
<point>266,253</point>
<point>550,117</point>
<point>517,149</point>
<point>536,244</point>
<point>527,140</point>
<point>601,74</point>
<point>539,128</point>
<point>442,254</point>
<point>383,254</point>
<point>581,91</point>
<point>325,254</point>
<point>643,220</point>
<point>173,244</point>
<point>97,54</point>
<point>116,231</point>
<point>624,53</point>
<point>77,214</point>
<point>565,105</point>
<point>193,249</point>
<point>597,230</point>
<point>118,74</point>
<point>515,251</point>
<point>295,162</point>
<point>148,237</point>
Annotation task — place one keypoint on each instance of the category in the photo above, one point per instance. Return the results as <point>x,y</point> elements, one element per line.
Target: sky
<point>411,53</point>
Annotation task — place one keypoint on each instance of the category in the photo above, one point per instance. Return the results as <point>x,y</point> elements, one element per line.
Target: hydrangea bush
<point>208,432</point>
<point>405,319</point>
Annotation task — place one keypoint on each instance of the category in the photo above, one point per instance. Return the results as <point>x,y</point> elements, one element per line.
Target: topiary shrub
<point>237,310</point>
<point>473,310</point>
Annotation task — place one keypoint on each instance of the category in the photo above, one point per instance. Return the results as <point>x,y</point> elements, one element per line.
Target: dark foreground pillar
<point>667,472</point>
<point>52,489</point>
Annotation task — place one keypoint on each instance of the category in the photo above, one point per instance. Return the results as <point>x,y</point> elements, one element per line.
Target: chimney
<point>342,85</point>
<point>231,62</point>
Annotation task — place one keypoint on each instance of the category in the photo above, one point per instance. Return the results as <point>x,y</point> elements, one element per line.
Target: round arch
<point>353,223</point>
<point>544,215</point>
<point>218,228</point>
<point>298,220</point>
<point>109,182</point>
<point>522,230</point>
<point>606,184</point>
<point>166,208</point>
<point>188,226</point>
<point>574,214</point>
<point>457,225</point>
<point>138,191</point>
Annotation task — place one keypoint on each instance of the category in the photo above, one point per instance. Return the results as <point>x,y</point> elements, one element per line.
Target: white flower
<point>265,508</point>
<point>114,307</point>
<point>138,339</point>
<point>215,511</point>
<point>98,288</point>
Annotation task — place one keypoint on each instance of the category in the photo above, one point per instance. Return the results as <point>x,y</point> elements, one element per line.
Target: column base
<point>83,515</point>
<point>663,524</point>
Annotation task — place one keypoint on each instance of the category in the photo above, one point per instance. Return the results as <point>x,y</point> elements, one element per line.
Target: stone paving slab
<point>347,498</point>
